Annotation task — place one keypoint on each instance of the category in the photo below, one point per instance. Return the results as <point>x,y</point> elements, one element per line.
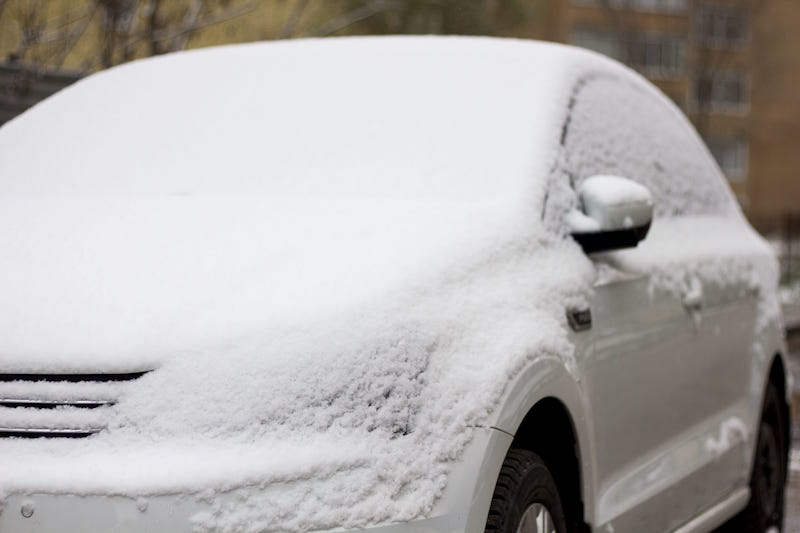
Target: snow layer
<point>679,253</point>
<point>622,126</point>
<point>375,398</point>
<point>333,244</point>
<point>613,190</point>
<point>732,432</point>
<point>333,253</point>
<point>317,117</point>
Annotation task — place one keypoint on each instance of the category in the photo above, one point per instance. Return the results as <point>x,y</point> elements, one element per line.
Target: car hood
<point>258,317</point>
<point>120,284</point>
<point>367,332</point>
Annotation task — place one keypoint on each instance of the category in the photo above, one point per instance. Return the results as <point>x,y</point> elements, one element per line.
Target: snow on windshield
<point>326,117</point>
<point>620,126</point>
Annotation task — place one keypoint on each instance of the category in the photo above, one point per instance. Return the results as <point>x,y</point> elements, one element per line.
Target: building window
<point>654,6</point>
<point>720,25</point>
<point>721,91</point>
<point>604,42</point>
<point>656,55</point>
<point>652,54</point>
<point>731,155</point>
<point>677,98</point>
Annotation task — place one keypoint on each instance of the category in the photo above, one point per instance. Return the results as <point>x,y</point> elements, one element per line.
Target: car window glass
<point>625,128</point>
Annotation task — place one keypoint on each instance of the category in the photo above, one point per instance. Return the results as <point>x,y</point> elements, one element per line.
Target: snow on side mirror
<point>615,213</point>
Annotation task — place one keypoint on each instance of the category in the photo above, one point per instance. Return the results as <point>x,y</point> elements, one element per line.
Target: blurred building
<point>732,65</point>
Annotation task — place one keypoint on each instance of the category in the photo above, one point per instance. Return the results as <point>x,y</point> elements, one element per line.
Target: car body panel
<point>549,377</point>
<point>656,381</point>
<point>462,507</point>
<point>689,439</point>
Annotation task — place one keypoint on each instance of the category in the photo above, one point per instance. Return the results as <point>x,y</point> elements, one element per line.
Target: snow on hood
<point>118,284</point>
<point>375,388</point>
<point>398,117</point>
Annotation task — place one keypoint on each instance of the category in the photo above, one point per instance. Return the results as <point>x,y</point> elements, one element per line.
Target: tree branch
<point>366,11</point>
<point>189,21</point>
<point>293,19</point>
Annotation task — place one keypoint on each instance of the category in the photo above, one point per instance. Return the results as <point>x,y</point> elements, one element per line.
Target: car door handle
<point>579,319</point>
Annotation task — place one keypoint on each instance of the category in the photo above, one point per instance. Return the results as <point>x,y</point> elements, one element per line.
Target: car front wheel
<point>764,511</point>
<point>525,498</point>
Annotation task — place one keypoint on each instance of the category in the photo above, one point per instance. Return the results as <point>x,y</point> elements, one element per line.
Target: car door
<point>664,365</point>
<point>664,399</point>
<point>637,359</point>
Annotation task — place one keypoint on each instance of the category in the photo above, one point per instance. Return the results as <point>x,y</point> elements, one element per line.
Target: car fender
<point>771,345</point>
<point>549,377</point>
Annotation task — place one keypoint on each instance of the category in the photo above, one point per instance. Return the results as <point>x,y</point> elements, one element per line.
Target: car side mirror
<point>615,213</point>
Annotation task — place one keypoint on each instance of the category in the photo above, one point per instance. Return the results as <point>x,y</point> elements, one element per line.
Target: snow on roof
<point>399,117</point>
<point>336,244</point>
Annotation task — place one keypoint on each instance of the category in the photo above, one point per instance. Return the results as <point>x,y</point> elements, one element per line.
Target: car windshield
<point>399,118</point>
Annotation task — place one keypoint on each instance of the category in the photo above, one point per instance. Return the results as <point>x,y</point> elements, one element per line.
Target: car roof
<point>397,117</point>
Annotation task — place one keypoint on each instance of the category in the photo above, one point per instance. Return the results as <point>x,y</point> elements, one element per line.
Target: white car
<point>394,284</point>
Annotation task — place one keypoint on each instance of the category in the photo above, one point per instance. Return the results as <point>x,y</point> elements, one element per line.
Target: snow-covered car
<point>401,284</point>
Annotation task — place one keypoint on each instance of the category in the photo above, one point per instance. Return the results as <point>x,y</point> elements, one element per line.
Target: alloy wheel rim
<point>536,519</point>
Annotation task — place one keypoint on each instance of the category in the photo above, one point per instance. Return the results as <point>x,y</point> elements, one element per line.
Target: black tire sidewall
<point>524,480</point>
<point>771,421</point>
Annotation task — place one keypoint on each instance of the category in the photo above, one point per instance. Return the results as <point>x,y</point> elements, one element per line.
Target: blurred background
<point>733,66</point>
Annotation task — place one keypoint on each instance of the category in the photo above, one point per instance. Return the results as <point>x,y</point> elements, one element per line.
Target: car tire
<point>525,498</point>
<point>764,511</point>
